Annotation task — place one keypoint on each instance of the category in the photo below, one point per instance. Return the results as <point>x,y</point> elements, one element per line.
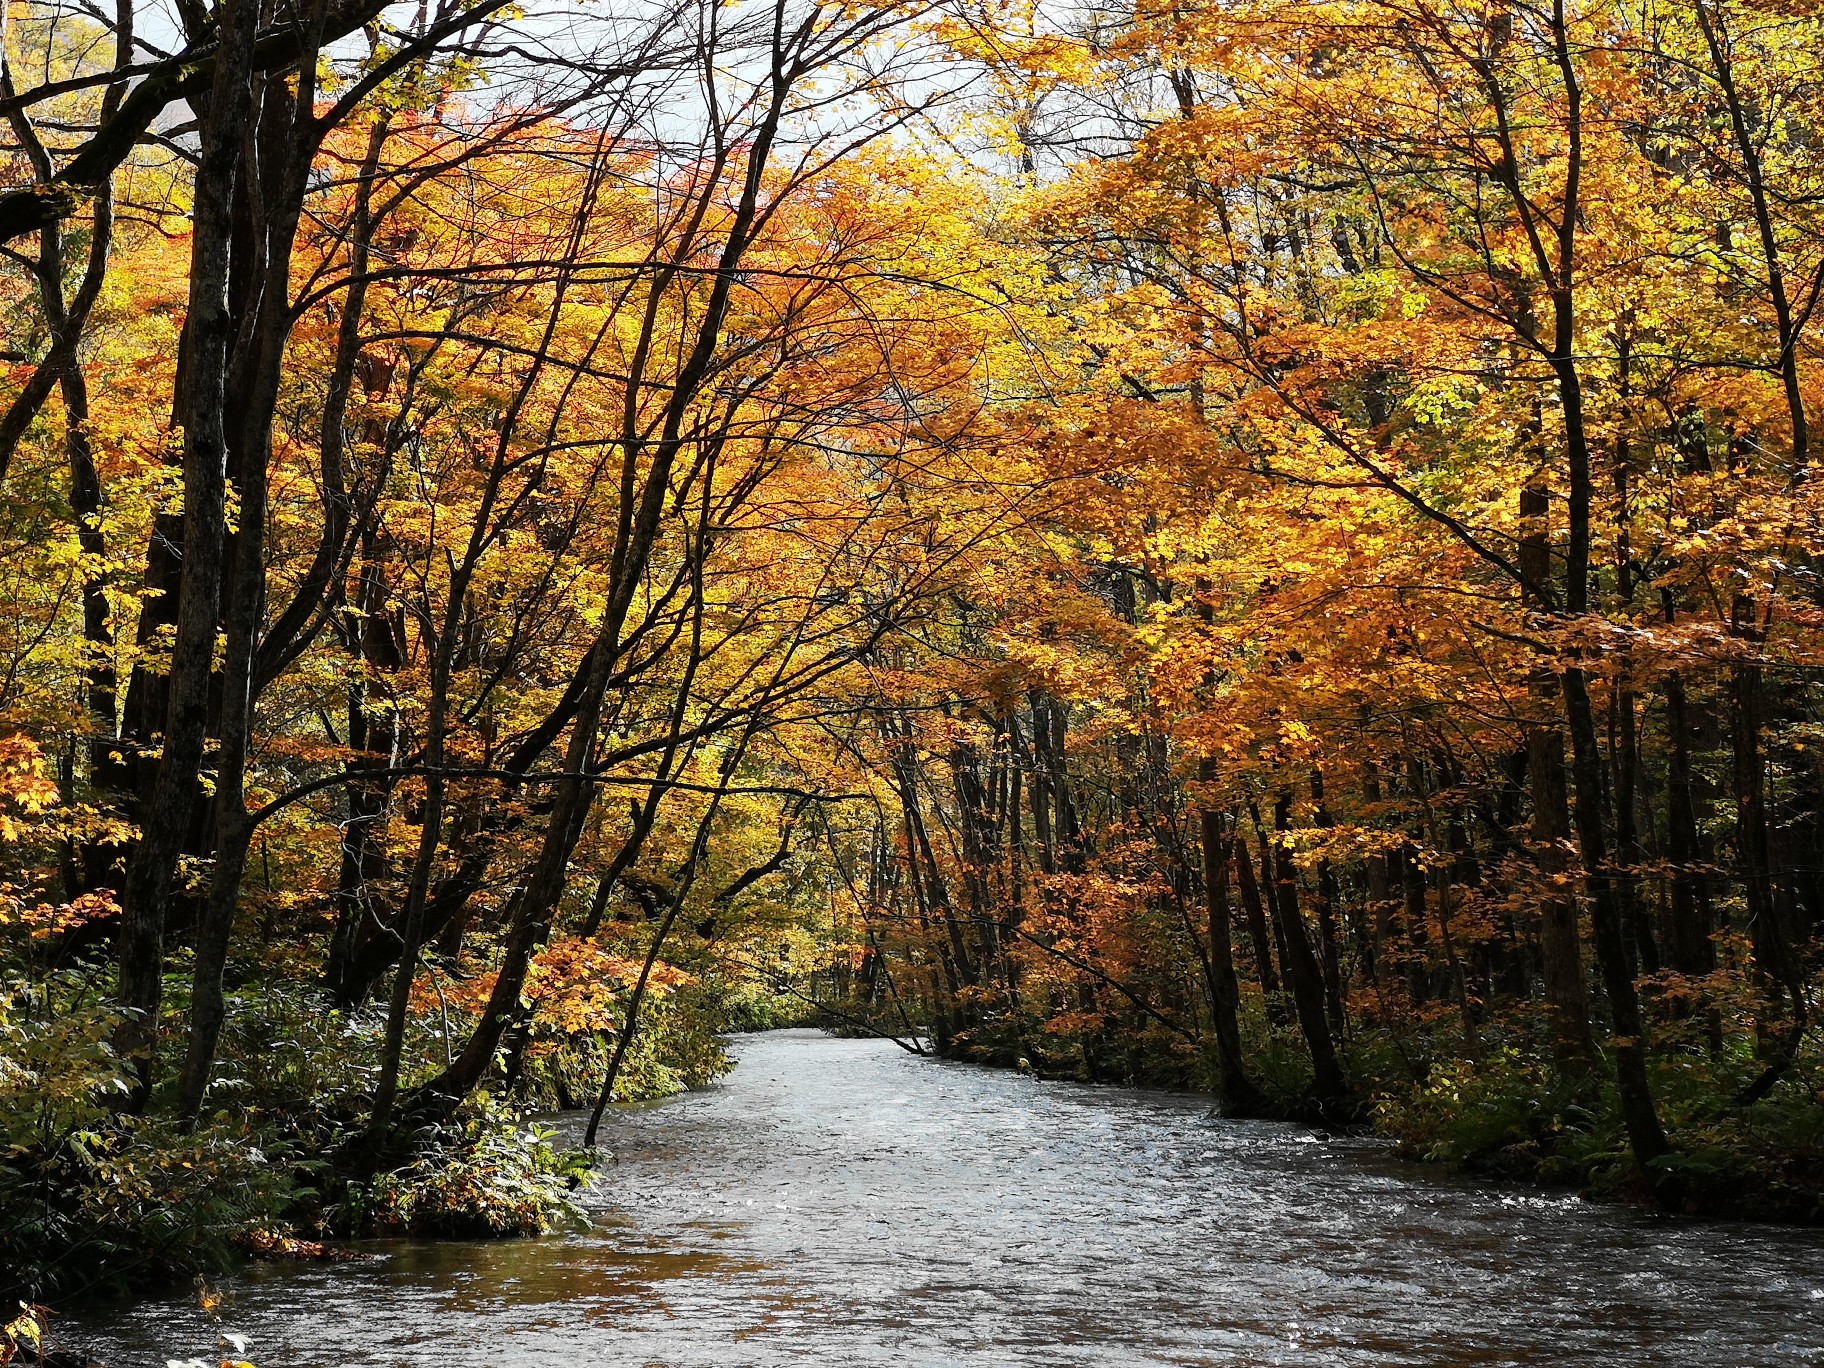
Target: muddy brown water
<point>842,1202</point>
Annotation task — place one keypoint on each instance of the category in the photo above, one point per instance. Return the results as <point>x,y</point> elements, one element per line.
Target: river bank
<point>1510,1111</point>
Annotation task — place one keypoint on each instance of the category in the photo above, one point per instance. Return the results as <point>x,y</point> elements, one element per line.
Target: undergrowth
<point>94,1200</point>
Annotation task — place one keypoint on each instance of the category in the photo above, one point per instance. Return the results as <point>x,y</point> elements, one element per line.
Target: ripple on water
<point>843,1203</point>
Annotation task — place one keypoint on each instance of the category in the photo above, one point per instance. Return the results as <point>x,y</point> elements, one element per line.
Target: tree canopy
<point>1268,547</point>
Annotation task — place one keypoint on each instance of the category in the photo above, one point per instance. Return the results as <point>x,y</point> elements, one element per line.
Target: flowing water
<point>842,1202</point>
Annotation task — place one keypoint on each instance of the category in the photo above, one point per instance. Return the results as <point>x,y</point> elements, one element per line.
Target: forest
<point>1267,549</point>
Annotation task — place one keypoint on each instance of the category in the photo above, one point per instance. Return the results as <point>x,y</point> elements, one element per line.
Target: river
<point>843,1202</point>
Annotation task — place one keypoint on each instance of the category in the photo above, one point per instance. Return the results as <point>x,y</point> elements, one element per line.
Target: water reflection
<point>843,1203</point>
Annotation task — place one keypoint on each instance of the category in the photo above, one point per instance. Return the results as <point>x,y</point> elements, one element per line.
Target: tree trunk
<point>1567,998</point>
<point>1768,935</point>
<point>201,412</point>
<point>1305,977</point>
<point>1328,895</point>
<point>1239,1094</point>
<point>1255,911</point>
<point>1639,1114</point>
<point>1690,917</point>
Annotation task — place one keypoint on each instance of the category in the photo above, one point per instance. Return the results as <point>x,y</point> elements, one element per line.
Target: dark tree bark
<point>201,412</point>
<point>1775,956</point>
<point>1255,912</point>
<point>1239,1093</point>
<point>1304,977</point>
<point>1567,998</point>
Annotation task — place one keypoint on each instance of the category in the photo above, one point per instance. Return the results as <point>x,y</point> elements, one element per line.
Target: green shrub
<point>494,1177</point>
<point>1505,1113</point>
<point>91,1197</point>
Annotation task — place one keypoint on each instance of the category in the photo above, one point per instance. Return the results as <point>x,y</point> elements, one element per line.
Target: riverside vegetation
<point>1268,548</point>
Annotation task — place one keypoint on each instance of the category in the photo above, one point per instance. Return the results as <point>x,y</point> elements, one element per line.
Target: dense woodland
<point>1264,547</point>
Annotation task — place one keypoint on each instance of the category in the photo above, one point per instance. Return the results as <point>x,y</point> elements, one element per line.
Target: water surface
<point>842,1202</point>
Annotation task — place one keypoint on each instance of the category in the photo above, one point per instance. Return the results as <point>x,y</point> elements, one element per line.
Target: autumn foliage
<point>1268,547</point>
